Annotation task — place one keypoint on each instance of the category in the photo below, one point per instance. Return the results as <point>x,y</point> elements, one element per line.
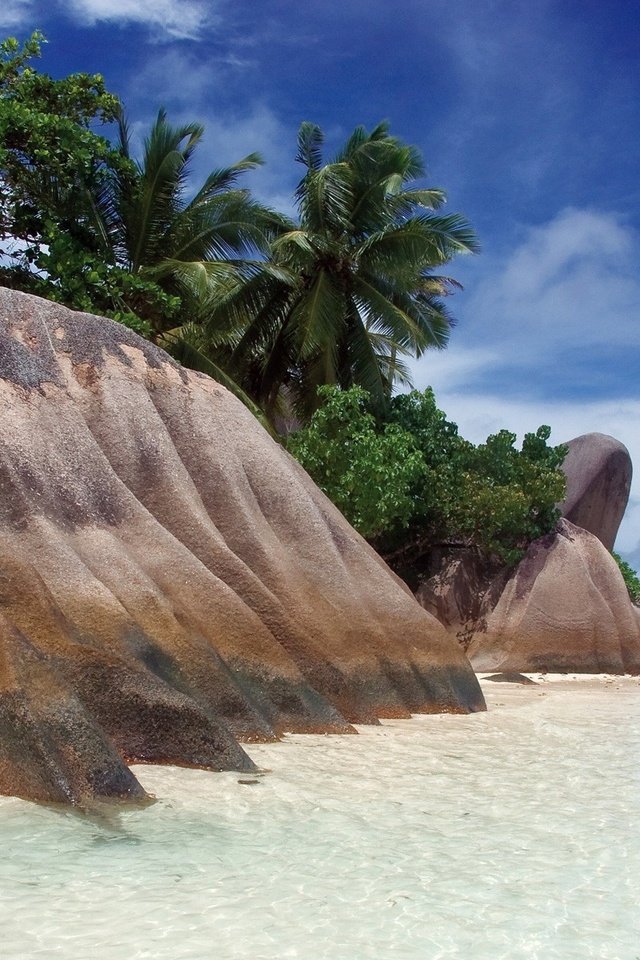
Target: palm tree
<point>186,244</point>
<point>182,250</point>
<point>349,292</point>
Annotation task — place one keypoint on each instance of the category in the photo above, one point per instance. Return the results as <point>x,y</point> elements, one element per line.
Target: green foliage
<point>630,577</point>
<point>82,223</point>
<point>410,480</point>
<point>55,173</point>
<point>276,308</point>
<point>342,297</point>
<point>52,165</point>
<point>351,290</point>
<point>368,472</point>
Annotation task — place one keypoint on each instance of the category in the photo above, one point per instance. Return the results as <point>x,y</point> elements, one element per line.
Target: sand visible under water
<point>500,836</point>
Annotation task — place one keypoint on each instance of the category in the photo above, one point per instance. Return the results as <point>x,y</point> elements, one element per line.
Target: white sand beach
<point>506,835</point>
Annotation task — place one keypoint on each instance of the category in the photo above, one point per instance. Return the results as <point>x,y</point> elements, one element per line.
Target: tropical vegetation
<point>351,291</point>
<point>310,321</point>
<point>630,577</point>
<point>88,224</point>
<point>409,481</point>
<point>343,296</point>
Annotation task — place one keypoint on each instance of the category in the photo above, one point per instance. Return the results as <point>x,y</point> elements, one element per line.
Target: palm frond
<point>452,234</point>
<point>405,203</point>
<point>394,370</point>
<point>381,313</point>
<point>418,243</point>
<point>200,278</point>
<point>227,225</point>
<point>365,370</point>
<point>325,198</point>
<point>224,178</point>
<point>319,315</point>
<point>435,321</point>
<point>124,134</point>
<point>161,183</point>
<point>310,140</point>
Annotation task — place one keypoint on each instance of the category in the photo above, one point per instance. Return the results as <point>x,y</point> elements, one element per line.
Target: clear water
<point>512,834</point>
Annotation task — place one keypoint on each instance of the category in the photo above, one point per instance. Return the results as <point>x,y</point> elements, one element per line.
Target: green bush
<point>630,578</point>
<point>408,480</point>
<point>368,472</point>
<point>56,180</point>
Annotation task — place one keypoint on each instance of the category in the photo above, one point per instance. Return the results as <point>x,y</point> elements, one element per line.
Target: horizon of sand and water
<point>505,835</point>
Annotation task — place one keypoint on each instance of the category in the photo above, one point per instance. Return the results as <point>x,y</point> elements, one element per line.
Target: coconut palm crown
<point>350,291</point>
<point>156,227</point>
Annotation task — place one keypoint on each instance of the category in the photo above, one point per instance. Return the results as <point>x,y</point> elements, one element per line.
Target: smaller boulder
<point>565,608</point>
<point>598,471</point>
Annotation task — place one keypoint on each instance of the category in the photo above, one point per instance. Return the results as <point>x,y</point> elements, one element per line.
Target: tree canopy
<point>87,223</point>
<point>315,318</point>
<point>351,291</point>
<point>52,165</point>
<point>271,307</point>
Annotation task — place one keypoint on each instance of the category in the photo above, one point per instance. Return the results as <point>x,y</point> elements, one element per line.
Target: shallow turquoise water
<point>507,835</point>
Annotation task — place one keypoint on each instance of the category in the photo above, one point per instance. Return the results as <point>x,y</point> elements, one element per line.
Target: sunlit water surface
<point>512,834</point>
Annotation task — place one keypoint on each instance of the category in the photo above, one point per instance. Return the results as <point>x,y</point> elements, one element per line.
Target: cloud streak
<point>232,130</point>
<point>178,19</point>
<point>557,315</point>
<point>541,320</point>
<point>15,13</point>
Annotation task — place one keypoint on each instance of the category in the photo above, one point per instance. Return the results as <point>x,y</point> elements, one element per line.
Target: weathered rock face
<point>598,470</point>
<point>171,581</point>
<point>565,608</point>
<point>460,588</point>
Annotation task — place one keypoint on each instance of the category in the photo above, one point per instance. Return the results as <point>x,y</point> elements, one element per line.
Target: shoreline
<point>557,679</point>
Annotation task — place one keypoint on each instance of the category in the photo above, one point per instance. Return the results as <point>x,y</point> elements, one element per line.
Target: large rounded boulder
<point>598,471</point>
<point>564,608</point>
<point>172,583</point>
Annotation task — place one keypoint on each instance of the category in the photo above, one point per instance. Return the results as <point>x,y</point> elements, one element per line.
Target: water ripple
<point>506,836</point>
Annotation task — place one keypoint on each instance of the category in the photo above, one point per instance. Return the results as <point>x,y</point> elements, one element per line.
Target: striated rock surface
<point>460,587</point>
<point>565,608</point>
<point>598,471</point>
<point>171,581</point>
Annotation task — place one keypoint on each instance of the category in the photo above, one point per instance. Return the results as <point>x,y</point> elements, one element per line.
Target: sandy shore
<point>564,679</point>
<point>567,688</point>
<point>505,835</point>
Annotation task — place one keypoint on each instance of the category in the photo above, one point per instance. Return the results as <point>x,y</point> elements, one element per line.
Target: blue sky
<point>528,114</point>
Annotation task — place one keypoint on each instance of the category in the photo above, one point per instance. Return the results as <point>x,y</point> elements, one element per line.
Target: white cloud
<point>230,132</point>
<point>567,294</point>
<point>15,13</point>
<point>156,79</point>
<point>259,130</point>
<point>454,366</point>
<point>571,283</point>
<point>182,19</point>
<point>569,290</point>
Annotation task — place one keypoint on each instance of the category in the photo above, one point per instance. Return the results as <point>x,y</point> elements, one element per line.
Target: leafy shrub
<point>630,578</point>
<point>409,480</point>
<point>55,172</point>
<point>368,472</point>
